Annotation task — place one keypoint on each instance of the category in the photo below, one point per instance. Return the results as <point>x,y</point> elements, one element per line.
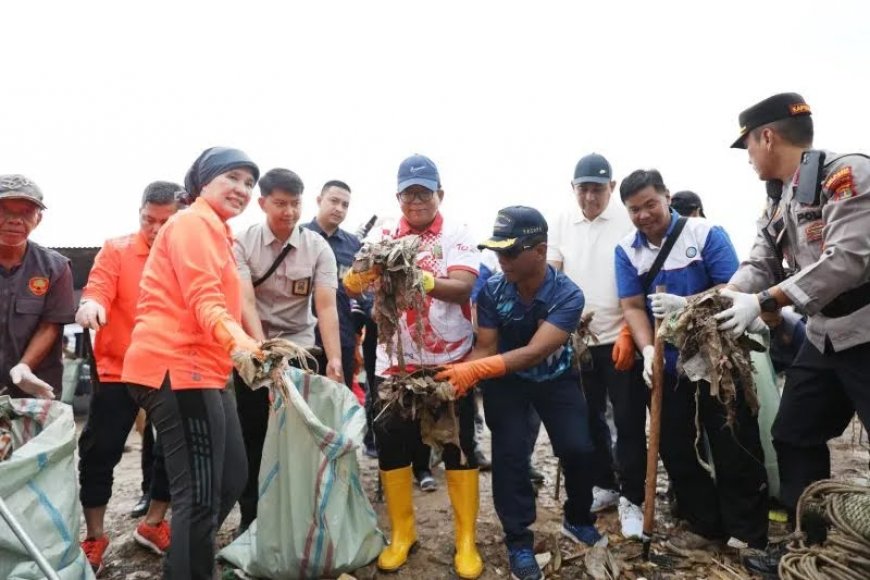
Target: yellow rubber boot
<point>462,486</point>
<point>398,484</point>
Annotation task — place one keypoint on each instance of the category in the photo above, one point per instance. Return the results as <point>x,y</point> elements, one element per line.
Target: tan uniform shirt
<point>828,246</point>
<point>284,299</point>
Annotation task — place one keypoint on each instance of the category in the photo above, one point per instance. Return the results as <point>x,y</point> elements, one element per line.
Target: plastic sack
<point>314,519</point>
<point>768,405</point>
<point>39,485</point>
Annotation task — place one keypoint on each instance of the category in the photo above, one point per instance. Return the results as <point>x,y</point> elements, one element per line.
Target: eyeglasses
<point>408,196</point>
<point>28,214</point>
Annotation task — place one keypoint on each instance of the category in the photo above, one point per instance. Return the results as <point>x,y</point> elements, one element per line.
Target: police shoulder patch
<point>38,285</point>
<point>840,184</point>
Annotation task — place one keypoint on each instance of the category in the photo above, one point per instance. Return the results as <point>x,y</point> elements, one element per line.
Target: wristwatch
<point>767,301</point>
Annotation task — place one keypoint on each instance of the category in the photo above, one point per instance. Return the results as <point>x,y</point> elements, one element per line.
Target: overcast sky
<point>98,99</point>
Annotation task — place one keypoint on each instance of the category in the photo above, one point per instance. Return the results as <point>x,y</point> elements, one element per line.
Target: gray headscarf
<point>211,163</point>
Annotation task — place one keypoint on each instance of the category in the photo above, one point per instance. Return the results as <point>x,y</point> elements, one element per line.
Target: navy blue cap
<point>513,225</point>
<point>593,168</point>
<point>781,106</point>
<point>418,170</point>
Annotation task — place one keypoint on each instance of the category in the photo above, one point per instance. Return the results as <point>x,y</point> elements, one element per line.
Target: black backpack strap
<point>663,254</point>
<point>274,266</point>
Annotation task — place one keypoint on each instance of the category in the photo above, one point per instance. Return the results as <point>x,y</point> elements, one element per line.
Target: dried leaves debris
<point>708,354</point>
<point>417,395</point>
<point>582,339</point>
<point>266,371</point>
<point>400,286</point>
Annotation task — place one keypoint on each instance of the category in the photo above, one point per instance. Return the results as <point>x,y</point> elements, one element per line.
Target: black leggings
<point>207,469</point>
<point>399,441</point>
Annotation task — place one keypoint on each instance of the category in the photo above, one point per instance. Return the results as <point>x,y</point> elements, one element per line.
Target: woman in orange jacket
<point>187,327</point>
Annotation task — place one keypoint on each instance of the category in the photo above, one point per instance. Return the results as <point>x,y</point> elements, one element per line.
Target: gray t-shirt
<point>39,290</point>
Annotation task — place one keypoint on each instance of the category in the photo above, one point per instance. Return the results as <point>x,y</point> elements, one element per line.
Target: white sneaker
<point>631,518</point>
<point>603,499</point>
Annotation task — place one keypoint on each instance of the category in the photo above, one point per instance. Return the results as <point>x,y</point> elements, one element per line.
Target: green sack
<point>768,404</point>
<point>314,519</point>
<point>39,485</point>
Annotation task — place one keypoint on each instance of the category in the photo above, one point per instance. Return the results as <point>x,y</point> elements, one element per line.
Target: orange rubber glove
<point>358,282</point>
<point>623,350</point>
<point>463,376</point>
<point>234,340</point>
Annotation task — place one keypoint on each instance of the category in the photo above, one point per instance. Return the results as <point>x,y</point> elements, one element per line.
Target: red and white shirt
<point>445,246</point>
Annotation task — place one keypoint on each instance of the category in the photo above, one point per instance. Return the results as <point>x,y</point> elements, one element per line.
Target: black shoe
<point>765,562</point>
<point>536,476</point>
<point>483,463</point>
<point>141,507</point>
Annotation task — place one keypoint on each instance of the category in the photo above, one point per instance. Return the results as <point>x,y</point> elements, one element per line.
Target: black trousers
<point>736,504</point>
<point>822,393</point>
<point>400,444</point>
<point>205,461</point>
<point>101,444</point>
<point>507,404</point>
<point>629,397</point>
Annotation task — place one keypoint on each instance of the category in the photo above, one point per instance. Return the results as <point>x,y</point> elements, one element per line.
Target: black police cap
<point>512,226</point>
<point>781,106</point>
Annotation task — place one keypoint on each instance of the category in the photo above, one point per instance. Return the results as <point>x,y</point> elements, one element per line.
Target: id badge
<point>301,287</point>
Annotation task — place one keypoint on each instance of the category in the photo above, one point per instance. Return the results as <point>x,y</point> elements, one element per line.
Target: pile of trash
<point>582,339</point>
<point>418,395</point>
<point>708,354</point>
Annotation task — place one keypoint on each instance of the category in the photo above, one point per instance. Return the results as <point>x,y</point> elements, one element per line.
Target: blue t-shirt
<point>702,257</point>
<point>344,246</point>
<point>558,301</point>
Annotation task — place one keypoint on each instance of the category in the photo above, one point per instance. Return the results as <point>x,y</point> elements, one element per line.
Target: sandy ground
<point>433,560</point>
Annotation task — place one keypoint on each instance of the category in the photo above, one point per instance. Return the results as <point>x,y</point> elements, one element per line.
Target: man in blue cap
<point>526,314</point>
<point>582,243</point>
<point>449,262</point>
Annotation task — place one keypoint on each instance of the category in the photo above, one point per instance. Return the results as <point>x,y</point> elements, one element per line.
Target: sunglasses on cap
<point>514,251</point>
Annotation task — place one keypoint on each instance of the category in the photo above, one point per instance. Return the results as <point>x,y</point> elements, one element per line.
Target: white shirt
<point>586,250</point>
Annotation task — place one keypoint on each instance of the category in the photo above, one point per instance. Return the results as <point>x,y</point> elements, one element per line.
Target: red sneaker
<point>155,538</point>
<point>95,550</point>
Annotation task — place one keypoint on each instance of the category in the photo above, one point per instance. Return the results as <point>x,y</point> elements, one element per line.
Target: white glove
<point>741,314</point>
<point>757,326</point>
<point>663,304</point>
<point>23,378</point>
<point>648,352</point>
<point>91,314</point>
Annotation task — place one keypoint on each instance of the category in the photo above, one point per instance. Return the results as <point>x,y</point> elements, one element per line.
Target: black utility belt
<point>848,302</point>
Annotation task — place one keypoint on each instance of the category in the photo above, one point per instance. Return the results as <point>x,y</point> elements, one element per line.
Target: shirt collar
<point>140,246</point>
<point>315,227</point>
<point>544,293</point>
<point>640,239</point>
<point>203,208</point>
<point>434,228</point>
<point>269,238</point>
<point>605,215</point>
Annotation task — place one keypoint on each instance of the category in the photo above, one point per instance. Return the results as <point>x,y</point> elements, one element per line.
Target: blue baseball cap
<point>593,168</point>
<point>418,170</point>
<point>513,225</point>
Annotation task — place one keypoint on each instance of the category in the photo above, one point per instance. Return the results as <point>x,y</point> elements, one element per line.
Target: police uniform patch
<point>38,285</point>
<point>691,252</point>
<point>841,184</point>
<point>813,231</point>
<point>301,287</point>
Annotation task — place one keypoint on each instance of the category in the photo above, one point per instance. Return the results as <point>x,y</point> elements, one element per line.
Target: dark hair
<point>535,239</point>
<point>282,179</point>
<point>163,193</point>
<point>335,183</point>
<point>796,131</point>
<point>641,179</point>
